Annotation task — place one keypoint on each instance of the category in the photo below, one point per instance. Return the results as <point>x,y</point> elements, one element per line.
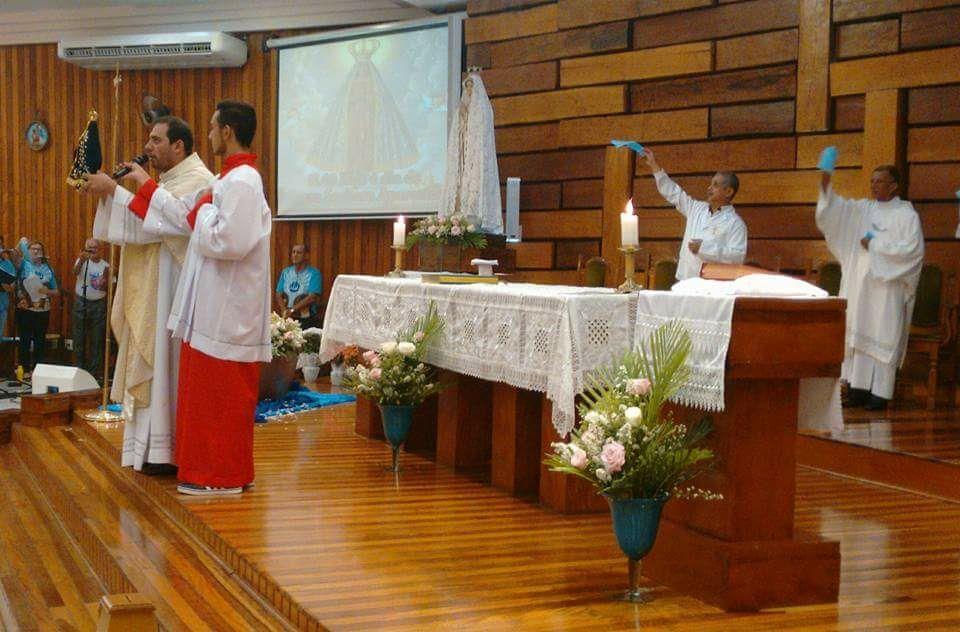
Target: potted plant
<point>630,451</point>
<point>286,340</point>
<point>433,233</point>
<point>396,377</point>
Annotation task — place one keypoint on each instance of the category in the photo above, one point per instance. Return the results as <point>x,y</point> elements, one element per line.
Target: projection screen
<point>362,119</point>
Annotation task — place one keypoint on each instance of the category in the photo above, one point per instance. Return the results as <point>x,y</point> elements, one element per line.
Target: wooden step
<point>45,581</point>
<point>133,543</point>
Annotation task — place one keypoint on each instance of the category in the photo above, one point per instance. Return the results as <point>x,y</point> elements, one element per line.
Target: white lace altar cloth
<point>543,338</point>
<point>708,320</point>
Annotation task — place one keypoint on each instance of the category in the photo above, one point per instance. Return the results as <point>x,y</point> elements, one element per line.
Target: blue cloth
<point>632,144</point>
<point>828,159</point>
<point>299,398</point>
<point>297,285</point>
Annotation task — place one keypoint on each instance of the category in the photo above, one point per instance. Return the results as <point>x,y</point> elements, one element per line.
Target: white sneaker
<point>200,490</point>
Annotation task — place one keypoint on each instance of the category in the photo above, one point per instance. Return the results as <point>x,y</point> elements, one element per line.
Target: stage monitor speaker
<point>62,378</point>
<point>513,229</point>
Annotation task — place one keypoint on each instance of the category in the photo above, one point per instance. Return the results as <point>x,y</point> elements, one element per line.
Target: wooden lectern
<point>743,553</point>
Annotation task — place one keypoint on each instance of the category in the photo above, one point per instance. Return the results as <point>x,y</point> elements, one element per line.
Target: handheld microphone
<point>122,171</point>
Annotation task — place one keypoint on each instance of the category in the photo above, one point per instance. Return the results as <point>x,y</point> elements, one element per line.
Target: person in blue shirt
<point>299,289</point>
<point>36,287</point>
<point>9,262</point>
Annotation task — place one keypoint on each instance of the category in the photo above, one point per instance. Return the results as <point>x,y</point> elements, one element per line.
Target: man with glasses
<point>89,317</point>
<point>879,244</point>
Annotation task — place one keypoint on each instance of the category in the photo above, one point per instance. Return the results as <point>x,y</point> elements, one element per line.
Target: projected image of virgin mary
<point>364,130</point>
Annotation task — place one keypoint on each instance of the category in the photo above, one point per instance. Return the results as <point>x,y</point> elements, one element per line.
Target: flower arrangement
<point>286,336</point>
<point>395,374</point>
<point>312,336</point>
<point>454,229</point>
<point>350,357</point>
<point>625,446</point>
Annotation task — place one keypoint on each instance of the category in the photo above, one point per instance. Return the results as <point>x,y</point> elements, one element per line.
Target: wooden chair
<point>827,275</point>
<point>592,272</point>
<point>663,274</point>
<point>934,323</point>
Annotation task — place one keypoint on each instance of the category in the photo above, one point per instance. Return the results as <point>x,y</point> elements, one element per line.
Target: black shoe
<point>876,403</point>
<point>158,469</point>
<point>856,397</point>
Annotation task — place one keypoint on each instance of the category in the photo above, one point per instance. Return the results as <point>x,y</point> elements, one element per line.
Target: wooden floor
<point>930,435</point>
<point>361,550</point>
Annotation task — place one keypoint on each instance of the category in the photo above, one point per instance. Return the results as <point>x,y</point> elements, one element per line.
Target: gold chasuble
<point>134,316</point>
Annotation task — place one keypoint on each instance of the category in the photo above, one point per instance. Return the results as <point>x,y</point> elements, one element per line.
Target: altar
<point>518,354</point>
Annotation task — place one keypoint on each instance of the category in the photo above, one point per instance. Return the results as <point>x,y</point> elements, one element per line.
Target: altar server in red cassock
<point>221,310</point>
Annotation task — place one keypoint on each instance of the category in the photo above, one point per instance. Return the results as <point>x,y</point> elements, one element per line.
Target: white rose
<point>406,348</point>
<point>632,414</point>
<point>592,417</point>
<point>388,347</point>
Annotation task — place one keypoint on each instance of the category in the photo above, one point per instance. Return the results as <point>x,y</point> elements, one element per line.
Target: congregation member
<point>145,377</point>
<point>36,289</point>
<point>89,316</point>
<point>299,288</point>
<point>221,309</point>
<point>9,260</point>
<point>879,244</point>
<point>714,233</point>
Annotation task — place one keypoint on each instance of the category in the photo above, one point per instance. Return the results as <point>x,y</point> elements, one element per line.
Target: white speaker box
<point>63,378</point>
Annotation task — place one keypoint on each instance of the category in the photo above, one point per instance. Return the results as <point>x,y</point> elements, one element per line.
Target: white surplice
<point>879,284</point>
<point>145,378</point>
<point>222,302</point>
<point>723,233</point>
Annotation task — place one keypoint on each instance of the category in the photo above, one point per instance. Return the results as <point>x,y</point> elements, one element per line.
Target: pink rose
<point>370,356</point>
<point>613,457</point>
<point>638,387</point>
<point>374,374</point>
<point>376,360</point>
<point>455,230</point>
<point>578,458</point>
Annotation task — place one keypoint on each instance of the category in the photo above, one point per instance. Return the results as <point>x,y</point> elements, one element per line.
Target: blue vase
<point>396,425</point>
<point>635,523</point>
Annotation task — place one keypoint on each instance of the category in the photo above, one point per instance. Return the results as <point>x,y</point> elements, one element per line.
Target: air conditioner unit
<point>174,50</point>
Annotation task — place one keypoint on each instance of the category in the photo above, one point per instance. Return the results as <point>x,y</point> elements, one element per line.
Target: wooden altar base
<point>337,544</point>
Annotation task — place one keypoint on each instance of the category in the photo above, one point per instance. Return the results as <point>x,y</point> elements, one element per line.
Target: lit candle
<point>629,235</point>
<point>399,233</point>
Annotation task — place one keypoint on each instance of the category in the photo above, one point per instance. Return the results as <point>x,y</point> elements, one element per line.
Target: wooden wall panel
<point>753,154</point>
<point>758,84</point>
<point>813,95</point>
<point>655,126</point>
<point>930,28</point>
<point>583,193</point>
<point>541,19</point>
<point>573,13</point>
<point>527,138</point>
<point>935,181</point>
<point>649,63</point>
<point>849,10</point>
<point>534,254</point>
<point>883,137</point>
<point>939,220</point>
<point>567,165</point>
<point>934,105</point>
<point>535,196</point>
<point>934,144</point>
<point>905,70</point>
<point>868,38</point>
<point>765,187</point>
<point>850,148</point>
<point>559,104</point>
<point>560,224</point>
<point>519,79</point>
<point>757,50</point>
<point>848,113</point>
<point>571,253</point>
<point>721,21</point>
<point>481,7</point>
<point>756,118</point>
<point>583,41</point>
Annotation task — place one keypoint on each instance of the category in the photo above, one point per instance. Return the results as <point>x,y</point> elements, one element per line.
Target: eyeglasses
<point>91,250</point>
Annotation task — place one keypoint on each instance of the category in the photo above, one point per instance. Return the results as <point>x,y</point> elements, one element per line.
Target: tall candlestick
<point>399,233</point>
<point>629,235</point>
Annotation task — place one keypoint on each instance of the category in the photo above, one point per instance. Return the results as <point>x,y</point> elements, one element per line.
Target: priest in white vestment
<point>879,244</point>
<point>714,233</point>
<point>145,378</point>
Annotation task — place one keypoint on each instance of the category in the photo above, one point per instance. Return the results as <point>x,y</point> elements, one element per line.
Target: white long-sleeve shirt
<point>222,304</point>
<point>723,234</point>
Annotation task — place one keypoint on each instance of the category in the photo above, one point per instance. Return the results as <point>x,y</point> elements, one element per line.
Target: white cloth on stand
<point>708,320</point>
<point>472,184</point>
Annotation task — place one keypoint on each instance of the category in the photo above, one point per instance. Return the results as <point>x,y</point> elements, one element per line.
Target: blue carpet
<point>298,399</point>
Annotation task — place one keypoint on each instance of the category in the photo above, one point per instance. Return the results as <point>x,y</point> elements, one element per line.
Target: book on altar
<point>456,277</point>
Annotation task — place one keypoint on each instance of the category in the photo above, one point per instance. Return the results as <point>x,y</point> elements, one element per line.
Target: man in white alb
<point>145,378</point>
<point>714,233</point>
<point>879,244</point>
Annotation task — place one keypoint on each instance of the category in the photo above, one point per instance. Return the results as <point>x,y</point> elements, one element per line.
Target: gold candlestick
<point>397,271</point>
<point>629,285</point>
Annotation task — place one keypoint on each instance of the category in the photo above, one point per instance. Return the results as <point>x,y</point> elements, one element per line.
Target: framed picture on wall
<point>37,135</point>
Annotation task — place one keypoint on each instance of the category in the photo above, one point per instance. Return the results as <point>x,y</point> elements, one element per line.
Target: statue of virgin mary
<point>472,184</point>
